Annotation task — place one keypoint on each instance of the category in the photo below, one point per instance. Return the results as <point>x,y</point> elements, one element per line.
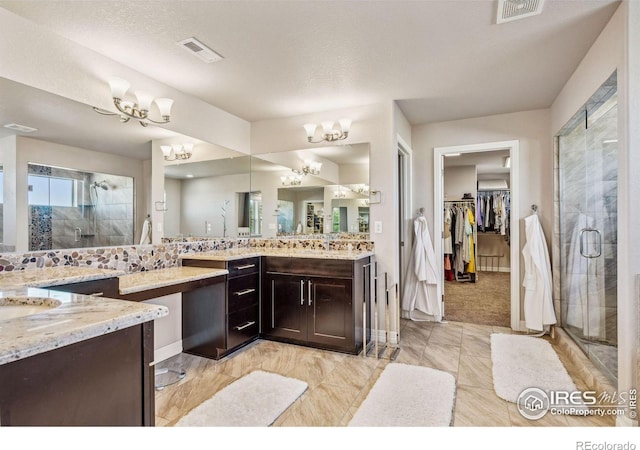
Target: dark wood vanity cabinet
<point>314,302</point>
<point>237,318</point>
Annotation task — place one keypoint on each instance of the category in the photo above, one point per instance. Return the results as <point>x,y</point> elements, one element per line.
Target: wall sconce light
<point>177,152</point>
<point>309,168</point>
<point>361,189</point>
<point>329,133</point>
<point>139,109</point>
<point>291,180</point>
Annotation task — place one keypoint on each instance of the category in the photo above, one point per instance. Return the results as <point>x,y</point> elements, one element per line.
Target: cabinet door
<point>330,313</point>
<point>285,307</point>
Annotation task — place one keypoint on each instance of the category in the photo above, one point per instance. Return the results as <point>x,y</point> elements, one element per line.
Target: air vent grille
<point>509,10</point>
<point>20,128</point>
<point>197,48</point>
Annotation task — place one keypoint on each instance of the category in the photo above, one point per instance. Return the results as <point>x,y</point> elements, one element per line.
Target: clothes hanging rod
<point>494,190</point>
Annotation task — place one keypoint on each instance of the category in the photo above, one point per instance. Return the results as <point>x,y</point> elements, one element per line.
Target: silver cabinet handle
<point>246,325</point>
<point>248,266</point>
<point>309,292</point>
<point>244,292</point>
<point>273,300</point>
<point>97,294</point>
<point>301,292</point>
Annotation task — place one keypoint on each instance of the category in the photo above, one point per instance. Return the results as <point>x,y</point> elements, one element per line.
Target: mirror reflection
<point>73,209</point>
<point>314,191</point>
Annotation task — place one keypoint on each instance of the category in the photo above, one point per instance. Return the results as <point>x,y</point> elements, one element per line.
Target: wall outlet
<point>377,227</point>
<point>159,227</point>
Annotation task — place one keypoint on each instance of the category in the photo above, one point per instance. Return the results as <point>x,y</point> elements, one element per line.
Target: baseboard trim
<point>166,352</point>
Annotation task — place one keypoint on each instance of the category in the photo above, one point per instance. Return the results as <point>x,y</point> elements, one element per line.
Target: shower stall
<point>586,190</point>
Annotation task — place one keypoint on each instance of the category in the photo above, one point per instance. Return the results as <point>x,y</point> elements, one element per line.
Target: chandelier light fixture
<point>291,180</point>
<point>309,168</point>
<point>361,189</point>
<point>329,132</point>
<point>139,109</point>
<point>177,152</point>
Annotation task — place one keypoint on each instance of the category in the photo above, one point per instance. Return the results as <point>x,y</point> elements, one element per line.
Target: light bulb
<point>327,127</point>
<point>345,125</point>
<point>144,100</point>
<point>118,87</point>
<point>166,149</point>
<point>188,147</point>
<point>164,105</point>
<point>310,129</point>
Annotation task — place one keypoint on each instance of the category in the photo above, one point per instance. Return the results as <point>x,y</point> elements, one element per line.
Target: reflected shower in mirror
<point>73,209</point>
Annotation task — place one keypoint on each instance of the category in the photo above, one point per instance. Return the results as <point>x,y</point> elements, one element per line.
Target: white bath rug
<point>255,400</point>
<point>526,362</point>
<point>408,396</point>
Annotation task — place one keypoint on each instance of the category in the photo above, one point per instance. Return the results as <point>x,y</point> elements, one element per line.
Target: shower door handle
<point>598,252</point>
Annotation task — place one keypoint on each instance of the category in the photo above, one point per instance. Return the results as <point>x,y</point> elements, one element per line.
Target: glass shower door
<point>588,230</point>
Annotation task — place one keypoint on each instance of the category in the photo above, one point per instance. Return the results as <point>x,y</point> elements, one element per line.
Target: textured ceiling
<point>441,60</point>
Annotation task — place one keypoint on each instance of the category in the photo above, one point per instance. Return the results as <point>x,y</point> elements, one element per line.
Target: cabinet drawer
<point>243,292</point>
<point>246,266</point>
<point>107,287</point>
<point>242,326</point>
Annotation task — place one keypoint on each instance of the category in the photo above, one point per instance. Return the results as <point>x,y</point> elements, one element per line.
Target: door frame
<point>438,201</point>
<point>403,212</point>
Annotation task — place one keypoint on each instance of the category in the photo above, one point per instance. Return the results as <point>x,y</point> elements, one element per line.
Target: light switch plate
<point>272,226</point>
<point>377,227</point>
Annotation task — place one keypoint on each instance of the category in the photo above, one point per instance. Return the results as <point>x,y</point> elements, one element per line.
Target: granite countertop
<point>142,281</point>
<point>229,255</point>
<point>77,318</point>
<point>54,276</point>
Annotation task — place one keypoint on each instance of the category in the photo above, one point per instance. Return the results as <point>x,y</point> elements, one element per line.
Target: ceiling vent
<point>197,48</point>
<point>21,128</point>
<point>509,10</point>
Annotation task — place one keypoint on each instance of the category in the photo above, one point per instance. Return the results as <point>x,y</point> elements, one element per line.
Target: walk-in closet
<point>476,237</point>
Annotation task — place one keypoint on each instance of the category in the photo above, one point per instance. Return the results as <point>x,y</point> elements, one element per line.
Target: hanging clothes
<point>420,295</point>
<point>538,296</point>
<point>471,267</point>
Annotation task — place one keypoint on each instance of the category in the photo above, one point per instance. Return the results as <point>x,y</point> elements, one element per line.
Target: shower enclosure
<point>587,223</point>
<point>72,209</point>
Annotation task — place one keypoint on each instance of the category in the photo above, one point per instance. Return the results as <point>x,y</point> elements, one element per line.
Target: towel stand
<point>373,348</point>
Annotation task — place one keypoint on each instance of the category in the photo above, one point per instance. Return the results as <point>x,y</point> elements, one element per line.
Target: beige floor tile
<point>410,353</point>
<point>475,371</point>
<point>476,345</point>
<point>442,357</point>
<point>478,407</point>
<point>446,334</point>
<point>503,330</point>
<point>472,328</point>
<point>352,372</point>
<point>322,406</point>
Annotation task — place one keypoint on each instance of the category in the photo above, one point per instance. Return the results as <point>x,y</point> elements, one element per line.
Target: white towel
<point>145,237</point>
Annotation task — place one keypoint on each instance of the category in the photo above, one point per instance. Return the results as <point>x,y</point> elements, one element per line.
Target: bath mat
<point>255,400</point>
<point>524,362</point>
<point>408,396</point>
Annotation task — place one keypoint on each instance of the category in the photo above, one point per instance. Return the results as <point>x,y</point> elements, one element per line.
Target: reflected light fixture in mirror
<point>139,109</point>
<point>177,152</point>
<point>329,133</point>
<point>309,168</point>
<point>291,180</point>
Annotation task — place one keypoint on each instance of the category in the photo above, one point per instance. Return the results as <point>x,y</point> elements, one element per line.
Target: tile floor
<point>338,383</point>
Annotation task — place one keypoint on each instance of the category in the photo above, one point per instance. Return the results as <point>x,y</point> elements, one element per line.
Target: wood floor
<point>338,383</point>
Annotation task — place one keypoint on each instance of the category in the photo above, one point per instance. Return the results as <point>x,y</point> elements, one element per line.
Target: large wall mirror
<point>71,178</point>
<point>314,191</point>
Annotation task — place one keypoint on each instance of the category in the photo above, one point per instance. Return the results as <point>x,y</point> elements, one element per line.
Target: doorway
<point>479,258</point>
<point>403,175</point>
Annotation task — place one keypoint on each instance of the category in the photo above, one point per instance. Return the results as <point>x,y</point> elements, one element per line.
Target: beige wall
<point>531,128</point>
<point>173,190</point>
<point>459,180</point>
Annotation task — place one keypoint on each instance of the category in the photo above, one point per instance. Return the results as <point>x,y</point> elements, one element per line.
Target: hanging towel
<point>538,296</point>
<point>145,236</point>
<point>420,296</point>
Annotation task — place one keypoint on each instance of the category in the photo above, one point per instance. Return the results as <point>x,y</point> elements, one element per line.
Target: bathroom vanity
<point>85,360</point>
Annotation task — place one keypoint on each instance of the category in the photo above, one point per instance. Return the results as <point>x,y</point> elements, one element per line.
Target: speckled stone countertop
<point>229,255</point>
<point>142,281</point>
<point>54,276</point>
<point>77,318</point>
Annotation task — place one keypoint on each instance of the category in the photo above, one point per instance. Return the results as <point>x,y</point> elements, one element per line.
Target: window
<point>49,191</point>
